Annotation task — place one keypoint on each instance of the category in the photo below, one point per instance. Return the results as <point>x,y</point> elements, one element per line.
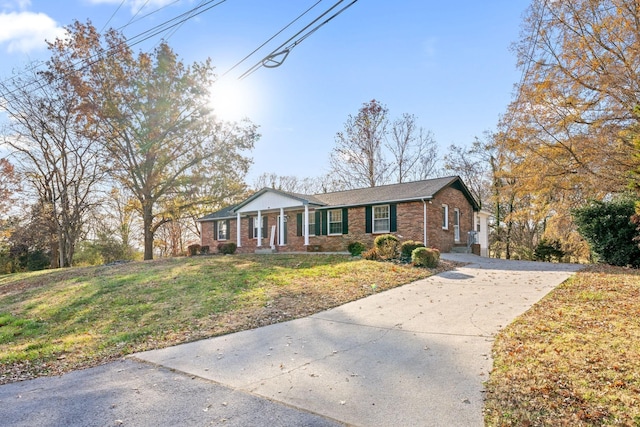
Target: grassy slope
<point>55,321</point>
<point>574,358</point>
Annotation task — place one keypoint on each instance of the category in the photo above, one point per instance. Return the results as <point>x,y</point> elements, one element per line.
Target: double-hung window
<point>312,224</point>
<point>335,221</point>
<point>445,217</point>
<point>256,225</point>
<point>222,230</point>
<point>381,219</point>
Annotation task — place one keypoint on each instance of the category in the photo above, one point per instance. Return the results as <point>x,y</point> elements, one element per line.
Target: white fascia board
<point>271,200</point>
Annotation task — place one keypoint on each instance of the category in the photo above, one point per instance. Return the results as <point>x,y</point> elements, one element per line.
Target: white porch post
<point>259,236</point>
<point>238,231</point>
<point>305,223</point>
<point>281,228</point>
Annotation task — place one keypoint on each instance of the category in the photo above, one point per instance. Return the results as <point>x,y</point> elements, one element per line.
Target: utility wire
<point>139,38</point>
<point>271,38</point>
<point>278,55</point>
<point>112,15</point>
<point>175,30</point>
<point>40,63</point>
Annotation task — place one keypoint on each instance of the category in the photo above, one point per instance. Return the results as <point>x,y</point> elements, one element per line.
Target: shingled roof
<point>404,192</point>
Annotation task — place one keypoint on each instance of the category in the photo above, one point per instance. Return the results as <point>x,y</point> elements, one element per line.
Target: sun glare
<point>232,100</point>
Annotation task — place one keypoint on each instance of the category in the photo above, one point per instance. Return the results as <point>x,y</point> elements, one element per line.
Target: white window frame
<point>331,221</point>
<point>222,224</point>
<point>445,217</point>
<point>387,218</point>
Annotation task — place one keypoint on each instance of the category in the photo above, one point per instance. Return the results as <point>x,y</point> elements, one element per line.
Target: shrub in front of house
<point>371,255</point>
<point>193,250</point>
<point>356,248</point>
<point>227,248</point>
<point>387,246</point>
<point>204,250</point>
<point>406,249</point>
<point>425,257</point>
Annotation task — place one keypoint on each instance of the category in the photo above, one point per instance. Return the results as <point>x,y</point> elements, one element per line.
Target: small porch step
<point>462,249</point>
<point>264,251</point>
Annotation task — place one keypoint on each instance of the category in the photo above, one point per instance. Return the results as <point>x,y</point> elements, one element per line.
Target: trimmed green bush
<point>610,232</point>
<point>356,248</point>
<point>406,249</point>
<point>548,251</point>
<point>387,246</point>
<point>425,257</point>
<point>227,248</point>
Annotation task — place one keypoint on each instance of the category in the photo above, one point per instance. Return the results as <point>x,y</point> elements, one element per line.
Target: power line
<point>137,39</point>
<point>112,15</point>
<point>271,38</point>
<point>278,55</point>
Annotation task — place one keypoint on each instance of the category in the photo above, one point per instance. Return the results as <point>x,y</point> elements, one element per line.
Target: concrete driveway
<point>412,356</point>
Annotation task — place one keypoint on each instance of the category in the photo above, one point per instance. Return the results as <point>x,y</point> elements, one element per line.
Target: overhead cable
<point>278,55</point>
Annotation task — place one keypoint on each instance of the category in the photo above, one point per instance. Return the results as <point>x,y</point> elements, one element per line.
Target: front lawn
<point>60,320</point>
<point>574,358</point>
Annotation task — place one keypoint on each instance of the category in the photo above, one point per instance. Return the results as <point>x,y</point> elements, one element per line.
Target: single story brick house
<point>439,212</point>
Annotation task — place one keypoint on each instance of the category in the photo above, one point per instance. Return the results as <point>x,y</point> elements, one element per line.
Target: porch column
<point>305,224</point>
<point>259,236</point>
<point>238,231</point>
<point>281,228</point>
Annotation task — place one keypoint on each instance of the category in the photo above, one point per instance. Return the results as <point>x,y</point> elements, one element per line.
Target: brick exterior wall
<point>410,222</point>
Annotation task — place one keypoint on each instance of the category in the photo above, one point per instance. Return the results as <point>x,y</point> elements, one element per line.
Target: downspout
<point>426,239</point>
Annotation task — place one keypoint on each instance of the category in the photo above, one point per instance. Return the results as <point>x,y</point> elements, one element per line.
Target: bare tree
<point>291,184</point>
<point>55,154</point>
<point>414,150</point>
<point>358,160</point>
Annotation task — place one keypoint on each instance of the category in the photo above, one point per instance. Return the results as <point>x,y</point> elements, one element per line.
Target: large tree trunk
<point>147,221</point>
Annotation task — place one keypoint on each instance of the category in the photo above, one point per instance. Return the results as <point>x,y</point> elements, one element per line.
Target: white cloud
<point>27,31</point>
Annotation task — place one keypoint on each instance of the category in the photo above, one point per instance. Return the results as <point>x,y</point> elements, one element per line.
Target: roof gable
<point>269,198</point>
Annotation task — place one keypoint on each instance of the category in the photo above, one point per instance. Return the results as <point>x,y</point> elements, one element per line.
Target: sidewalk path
<point>416,355</point>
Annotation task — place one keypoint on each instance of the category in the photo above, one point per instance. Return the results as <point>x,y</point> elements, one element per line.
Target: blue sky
<point>447,62</point>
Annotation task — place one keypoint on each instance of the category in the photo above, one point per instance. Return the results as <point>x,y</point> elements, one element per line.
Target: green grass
<point>574,358</point>
<point>55,321</point>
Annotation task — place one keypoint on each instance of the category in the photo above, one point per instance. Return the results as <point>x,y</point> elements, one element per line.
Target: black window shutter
<point>318,223</point>
<point>345,221</point>
<point>393,218</point>
<point>368,219</point>
<point>323,230</point>
<point>265,227</point>
<point>251,227</point>
<point>215,230</point>
<point>299,224</point>
<point>227,235</point>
